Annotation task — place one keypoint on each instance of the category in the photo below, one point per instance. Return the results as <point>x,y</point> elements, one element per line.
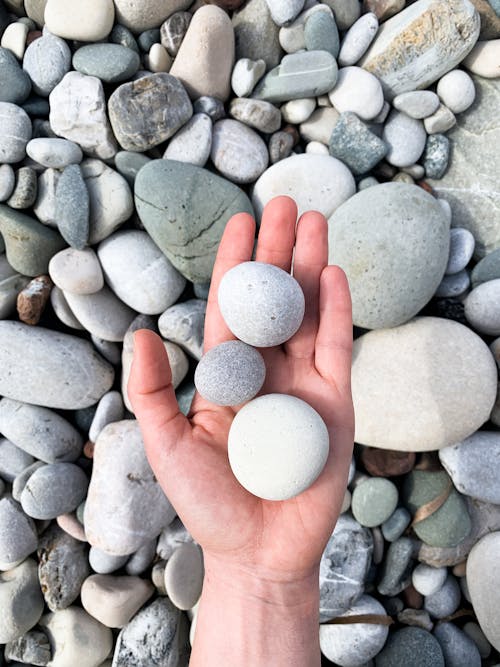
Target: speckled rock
<point>183,323</point>
<point>238,152</point>
<point>16,132</point>
<point>256,34</point>
<point>72,207</point>
<point>173,31</point>
<point>18,532</point>
<point>47,60</point>
<point>31,648</point>
<point>412,647</point>
<point>24,193</point>
<point>192,143</point>
<point>21,600</point>
<point>436,155</point>
<point>259,114</point>
<point>458,649</point>
<point>417,103</point>
<point>352,142</point>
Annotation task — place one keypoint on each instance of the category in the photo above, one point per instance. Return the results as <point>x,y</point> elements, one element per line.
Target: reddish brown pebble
<point>32,35</point>
<point>383,9</point>
<point>425,186</point>
<point>70,524</point>
<point>291,129</point>
<point>88,449</point>
<point>385,462</point>
<point>460,569</point>
<point>31,301</point>
<point>413,598</point>
<point>228,5</point>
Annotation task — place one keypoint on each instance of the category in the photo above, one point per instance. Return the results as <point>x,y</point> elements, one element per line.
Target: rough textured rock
<point>256,34</point>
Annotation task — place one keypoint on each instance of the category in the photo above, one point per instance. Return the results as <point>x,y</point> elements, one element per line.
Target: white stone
<point>357,39</point>
<point>84,20</point>
<point>78,113</point>
<point>62,310</point>
<point>428,580</point>
<point>417,103</point>
<point>238,152</point>
<point>298,111</point>
<point>291,37</point>
<point>482,307</point>
<point>319,126</point>
<point>45,205</point>
<point>109,409</point>
<point>192,143</point>
<point>76,271</point>
<point>284,11</point>
<point>405,137</point>
<point>317,148</point>
<point>359,91</point>
<point>159,59</point>
<point>277,446</point>
<point>456,90</point>
<point>484,59</point>
<point>483,581</point>
<point>114,600</point>
<point>14,38</point>
<point>440,121</point>
<point>461,248</point>
<point>56,153</point>
<point>245,75</point>
<point>184,576</point>
<point>308,179</point>
<point>139,273</point>
<point>183,323</point>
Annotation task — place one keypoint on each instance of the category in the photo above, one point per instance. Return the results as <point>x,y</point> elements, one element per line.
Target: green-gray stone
<point>373,501</point>
<point>29,244</point>
<point>487,269</point>
<point>436,155</point>
<point>306,74</point>
<point>448,525</point>
<point>37,106</point>
<point>149,37</point>
<point>109,62</point>
<point>129,164</point>
<point>352,142</point>
<point>321,33</point>
<point>396,570</point>
<point>411,647</point>
<point>73,207</point>
<point>15,83</point>
<point>396,524</point>
<point>122,35</point>
<point>185,210</point>
<point>185,395</point>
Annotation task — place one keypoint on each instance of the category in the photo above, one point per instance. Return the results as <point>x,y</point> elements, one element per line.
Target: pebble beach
<point>130,133</point>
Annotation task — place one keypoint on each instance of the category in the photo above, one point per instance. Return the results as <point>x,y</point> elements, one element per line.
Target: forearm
<point>244,620</point>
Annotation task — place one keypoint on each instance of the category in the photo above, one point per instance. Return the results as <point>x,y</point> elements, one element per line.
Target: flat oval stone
<point>184,576</point>
<point>390,287</point>
<point>47,60</point>
<point>18,532</point>
<point>417,103</point>
<point>16,84</point>
<point>412,647</point>
<point>7,181</point>
<point>440,121</point>
<point>114,600</point>
<point>104,563</point>
<point>457,646</point>
<point>396,524</point>
<point>428,580</point>
<point>454,285</point>
<point>129,163</point>
<point>101,313</point>
<point>461,251</point>
<point>261,115</point>
<point>309,177</point>
<point>373,501</point>
<point>54,152</point>
<point>445,601</point>
<point>76,271</point>
<point>483,59</point>
<point>238,152</point>
<point>419,44</point>
<point>483,577</point>
<point>53,489</point>
<point>109,409</point>
<point>72,207</point>
<point>51,369</point>
<point>359,91</point>
<point>16,132</point>
<point>192,143</point>
<point>486,269</point>
<point>111,63</point>
<point>436,155</point>
<point>405,137</point>
<point>13,460</point>
<point>306,74</point>
<point>173,31</point>
<point>291,37</point>
<point>357,39</point>
<point>245,75</point>
<point>391,387</point>
<point>83,20</point>
<point>482,307</point>
<point>200,202</point>
<point>21,600</point>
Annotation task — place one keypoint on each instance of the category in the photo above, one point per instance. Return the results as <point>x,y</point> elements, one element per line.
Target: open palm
<point>189,454</point>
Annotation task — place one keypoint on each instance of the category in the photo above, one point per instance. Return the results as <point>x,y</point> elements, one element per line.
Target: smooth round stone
<point>122,35</point>
<point>47,60</point>
<point>309,178</point>
<point>16,132</point>
<point>139,273</point>
<point>101,313</point>
<point>245,75</point>
<point>114,600</point>
<point>357,39</point>
<point>461,250</point>
<point>284,11</point>
<point>147,15</point>
<point>483,60</point>
<point>390,380</point>
<point>184,576</point>
<point>230,373</point>
<point>454,285</point>
<point>109,409</point>
<point>486,269</point>
<point>16,84</point>
<point>282,428</point>
<point>356,643</point>
<point>158,59</point>
<point>51,369</point>
<point>458,649</point>
<point>104,563</point>
<point>320,125</point>
<point>17,530</point>
<point>359,91</point>
<point>298,111</point>
<point>14,38</point>
<point>205,59</point>
<point>346,12</point>
<point>192,143</point>
<point>259,114</point>
<point>72,207</point>
<point>482,307</point>
<point>183,323</point>
<point>76,271</point>
<point>119,461</point>
<point>471,465</point>
<point>440,121</point>
<point>374,501</point>
<point>391,287</point>
<point>291,37</point>
<point>405,137</point>
<point>412,647</point>
<point>321,33</point>
<point>445,601</point>
<point>428,580</point>
<point>417,103</point>
<point>7,181</point>
<point>483,577</point>
<point>111,63</point>
<point>76,638</point>
<point>238,152</point>
<point>56,153</point>
<point>261,304</point>
<point>13,460</point>
<point>456,90</point>
<point>21,600</point>
<point>129,164</point>
<point>173,31</point>
<point>396,524</point>
<point>473,630</point>
<point>83,20</point>
<point>54,489</point>
<point>280,146</point>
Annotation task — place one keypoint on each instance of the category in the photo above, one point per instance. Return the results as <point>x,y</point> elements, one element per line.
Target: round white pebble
<point>277,446</point>
<point>261,304</point>
<point>456,90</point>
<point>359,91</point>
<point>230,373</point>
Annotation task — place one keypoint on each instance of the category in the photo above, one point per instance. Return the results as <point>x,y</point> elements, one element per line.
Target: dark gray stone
<point>211,106</point>
<point>280,146</point>
<point>396,524</point>
<point>111,63</point>
<point>129,164</point>
<point>16,84</point>
<point>33,647</point>
<point>397,567</point>
<point>147,38</point>
<point>256,34</point>
<point>72,207</point>
<point>173,30</point>
<point>122,35</point>
<point>352,142</point>
<point>458,649</point>
<point>487,269</point>
<point>411,647</point>
<point>36,106</point>
<point>436,155</point>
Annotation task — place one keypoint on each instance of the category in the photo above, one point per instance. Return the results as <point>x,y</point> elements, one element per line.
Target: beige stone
<point>484,59</point>
<point>85,20</point>
<point>114,600</point>
<point>140,15</point>
<point>205,59</point>
<point>483,582</point>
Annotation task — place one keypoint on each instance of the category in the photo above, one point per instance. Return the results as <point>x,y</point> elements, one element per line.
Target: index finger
<point>236,246</point>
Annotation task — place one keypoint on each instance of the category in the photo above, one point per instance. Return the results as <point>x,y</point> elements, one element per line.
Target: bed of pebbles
<point>129,133</point>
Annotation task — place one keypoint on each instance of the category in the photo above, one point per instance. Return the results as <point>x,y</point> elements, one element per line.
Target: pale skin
<point>260,601</point>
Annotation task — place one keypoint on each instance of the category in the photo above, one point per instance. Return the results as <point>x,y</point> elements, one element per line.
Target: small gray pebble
<point>461,249</point>
<point>416,617</point>
<point>147,38</point>
<point>122,35</point>
<point>445,601</point>
<point>486,269</point>
<point>18,536</point>
<point>454,285</point>
<point>56,153</point>
<point>20,481</point>
<point>109,409</point>
<point>396,524</point>
<point>33,647</point>
<point>211,106</point>
<point>47,60</point>
<point>459,650</point>
<point>280,146</point>
<point>397,567</point>
<point>13,460</point>
<point>7,181</point>
<point>142,559</point>
<point>417,103</point>
<point>54,489</point>
<point>104,563</point>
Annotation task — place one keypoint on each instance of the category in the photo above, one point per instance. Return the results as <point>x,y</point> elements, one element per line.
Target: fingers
<point>333,350</point>
<point>311,257</point>
<point>236,246</point>
<point>277,233</point>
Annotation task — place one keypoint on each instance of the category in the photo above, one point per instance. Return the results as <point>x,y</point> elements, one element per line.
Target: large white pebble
<point>405,137</point>
<point>261,304</point>
<point>359,91</point>
<point>357,39</point>
<point>456,90</point>
<point>277,446</point>
<point>76,271</point>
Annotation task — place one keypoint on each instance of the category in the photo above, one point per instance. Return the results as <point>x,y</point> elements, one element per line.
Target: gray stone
<point>63,567</point>
<point>109,409</point>
<point>16,132</point>
<point>137,111</point>
<point>119,464</point>
<point>292,37</point>
<point>18,536</point>
<point>299,75</point>
<point>171,537</point>
<point>245,75</point>
<point>436,155</point>
<point>416,617</point>
<point>47,60</point>
<point>192,143</point>
<point>344,567</point>
<point>76,271</point>
<point>440,121</point>
<point>7,181</point>
<point>486,269</point>
<point>454,285</point>
<point>210,106</point>
<point>357,39</point>
<point>396,570</point>
<point>11,283</point>
<point>147,38</point>
<point>458,649</point>
<point>483,576</point>
<point>62,310</point>
<point>358,91</point>
<point>173,30</point>
<point>280,146</point>
<point>139,18</point>
<point>53,489</point>
<point>406,140</point>
<point>481,307</point>
<point>112,63</point>
<point>321,33</point>
<point>445,601</point>
<point>104,563</point>
<point>49,368</point>
<point>396,524</point>
<point>129,164</point>
<point>109,350</point>
<point>200,202</point>
<point>461,251</point>
<point>418,45</point>
<point>238,152</point>
<point>473,630</point>
<point>183,323</point>
<point>346,12</point>
<point>21,600</point>
<point>417,103</point>
<point>373,501</point>
<point>256,34</point>
<point>261,115</point>
<point>13,460</point>
<point>141,560</point>
<point>184,576</point>
<point>16,84</point>
<point>412,647</point>
<point>352,142</point>
<point>391,287</point>
<point>72,207</point>
<point>55,153</point>
<point>25,190</point>
<point>428,580</point>
<point>20,481</point>
<point>33,647</point>
<point>184,396</point>
<point>101,313</point>
<point>284,11</point>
